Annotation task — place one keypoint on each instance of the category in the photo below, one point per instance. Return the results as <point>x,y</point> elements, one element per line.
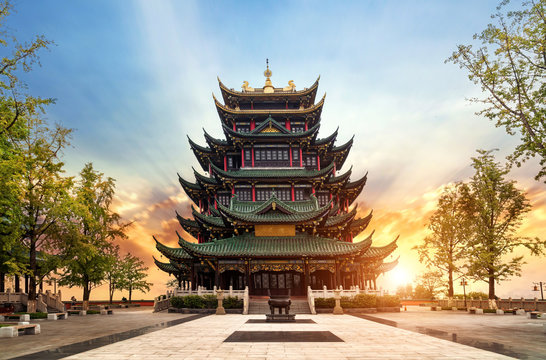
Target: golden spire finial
<point>268,88</point>
<point>267,72</point>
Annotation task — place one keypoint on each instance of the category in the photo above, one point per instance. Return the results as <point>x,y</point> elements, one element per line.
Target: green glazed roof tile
<point>291,246</point>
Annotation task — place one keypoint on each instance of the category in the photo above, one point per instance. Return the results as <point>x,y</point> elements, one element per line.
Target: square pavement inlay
<point>282,336</point>
<point>298,321</point>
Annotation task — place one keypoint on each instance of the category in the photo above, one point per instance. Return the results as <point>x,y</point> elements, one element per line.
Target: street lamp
<point>463,284</point>
<point>536,286</point>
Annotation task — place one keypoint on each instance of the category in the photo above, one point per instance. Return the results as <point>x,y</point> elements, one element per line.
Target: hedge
<point>204,302</point>
<point>360,301</point>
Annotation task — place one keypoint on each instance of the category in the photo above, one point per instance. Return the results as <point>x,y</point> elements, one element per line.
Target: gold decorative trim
<point>314,267</point>
<point>231,267</point>
<point>275,267</point>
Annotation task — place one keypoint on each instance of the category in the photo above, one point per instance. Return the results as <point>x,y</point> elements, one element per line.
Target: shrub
<point>388,301</point>
<point>194,302</point>
<point>177,302</point>
<point>324,303</point>
<point>446,308</point>
<point>38,315</point>
<point>346,302</point>
<point>93,312</point>
<point>489,311</point>
<point>231,302</point>
<point>365,301</point>
<point>124,299</point>
<point>210,301</point>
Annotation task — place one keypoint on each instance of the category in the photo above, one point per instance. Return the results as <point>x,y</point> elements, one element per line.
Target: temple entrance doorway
<point>233,278</point>
<point>348,279</point>
<point>321,278</point>
<point>277,280</point>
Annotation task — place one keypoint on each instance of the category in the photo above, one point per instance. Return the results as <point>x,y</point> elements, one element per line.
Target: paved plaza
<point>82,328</point>
<point>512,335</point>
<point>362,339</point>
<point>433,335</point>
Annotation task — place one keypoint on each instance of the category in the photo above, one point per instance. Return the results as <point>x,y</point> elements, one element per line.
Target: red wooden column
<point>215,203</point>
<point>200,206</point>
<point>225,162</point>
<point>301,158</point>
<point>291,158</point>
<point>334,168</point>
<point>234,126</point>
<point>332,204</point>
<point>252,155</point>
<point>233,190</point>
<point>287,124</point>
<point>252,124</point>
<point>318,162</point>
<point>253,193</point>
<point>210,171</point>
<point>242,157</point>
<point>306,126</point>
<point>313,189</point>
<point>292,191</point>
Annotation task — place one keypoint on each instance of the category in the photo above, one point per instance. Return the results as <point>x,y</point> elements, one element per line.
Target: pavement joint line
<point>86,345</point>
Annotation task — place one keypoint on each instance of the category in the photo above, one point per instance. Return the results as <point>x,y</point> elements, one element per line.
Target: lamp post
<point>463,284</point>
<point>535,288</point>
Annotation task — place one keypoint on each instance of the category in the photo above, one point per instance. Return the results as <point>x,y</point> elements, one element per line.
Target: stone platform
<point>281,318</point>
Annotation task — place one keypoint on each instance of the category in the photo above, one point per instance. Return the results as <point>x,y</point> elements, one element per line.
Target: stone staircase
<point>260,306</point>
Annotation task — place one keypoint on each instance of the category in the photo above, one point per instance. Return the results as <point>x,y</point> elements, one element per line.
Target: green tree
<point>114,272</point>
<point>44,192</point>
<point>18,58</point>
<point>429,284</point>
<point>510,67</point>
<point>16,107</point>
<point>445,248</point>
<point>497,208</point>
<point>134,275</point>
<point>88,238</point>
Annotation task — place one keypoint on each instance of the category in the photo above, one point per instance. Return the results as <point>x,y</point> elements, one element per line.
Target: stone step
<point>261,307</point>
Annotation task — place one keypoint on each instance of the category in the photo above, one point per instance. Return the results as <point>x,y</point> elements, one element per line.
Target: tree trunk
<point>130,293</point>
<point>450,284</point>
<point>111,292</point>
<point>86,291</point>
<point>33,268</point>
<point>491,281</point>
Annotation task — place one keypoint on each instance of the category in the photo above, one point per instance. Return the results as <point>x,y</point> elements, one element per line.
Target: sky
<point>133,78</point>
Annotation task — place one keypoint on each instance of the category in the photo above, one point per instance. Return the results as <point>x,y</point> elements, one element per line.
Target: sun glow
<point>400,276</point>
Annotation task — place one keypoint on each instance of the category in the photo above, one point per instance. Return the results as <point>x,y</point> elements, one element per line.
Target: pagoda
<point>273,209</point>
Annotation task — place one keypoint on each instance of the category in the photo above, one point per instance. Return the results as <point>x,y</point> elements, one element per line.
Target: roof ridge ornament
<point>268,87</point>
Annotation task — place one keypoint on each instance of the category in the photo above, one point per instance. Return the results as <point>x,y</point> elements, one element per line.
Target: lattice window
<point>323,198</point>
<point>224,199</point>
<point>263,194</point>
<point>296,154</point>
<point>244,194</point>
<point>284,194</point>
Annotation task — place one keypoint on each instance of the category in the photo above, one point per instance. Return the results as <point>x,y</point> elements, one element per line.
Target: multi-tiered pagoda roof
<point>271,200</point>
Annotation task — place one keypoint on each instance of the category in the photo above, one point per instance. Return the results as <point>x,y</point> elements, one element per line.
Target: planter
<point>202,311</point>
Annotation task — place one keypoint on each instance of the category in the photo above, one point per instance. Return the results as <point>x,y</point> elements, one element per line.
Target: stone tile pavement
<point>82,328</point>
<point>363,339</point>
